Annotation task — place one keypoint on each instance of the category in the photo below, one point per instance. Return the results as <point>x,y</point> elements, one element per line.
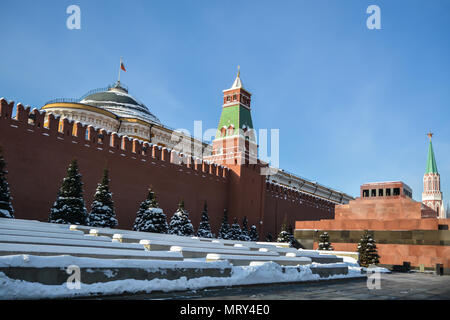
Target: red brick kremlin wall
<point>37,159</point>
<point>285,204</point>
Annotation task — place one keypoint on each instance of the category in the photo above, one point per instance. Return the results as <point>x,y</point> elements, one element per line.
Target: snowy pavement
<point>393,286</point>
<point>261,273</point>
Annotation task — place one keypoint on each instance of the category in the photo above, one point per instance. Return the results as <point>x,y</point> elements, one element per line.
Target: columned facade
<point>115,110</point>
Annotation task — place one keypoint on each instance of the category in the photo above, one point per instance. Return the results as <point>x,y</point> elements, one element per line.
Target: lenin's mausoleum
<point>405,230</point>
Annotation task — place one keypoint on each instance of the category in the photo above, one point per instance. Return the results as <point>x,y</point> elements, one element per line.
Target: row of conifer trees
<point>367,248</point>
<point>69,208</point>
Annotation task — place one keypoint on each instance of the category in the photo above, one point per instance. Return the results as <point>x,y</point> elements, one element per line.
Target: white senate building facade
<point>115,110</point>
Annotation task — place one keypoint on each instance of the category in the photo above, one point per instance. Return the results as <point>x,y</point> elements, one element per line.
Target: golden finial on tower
<point>237,82</point>
<point>430,135</point>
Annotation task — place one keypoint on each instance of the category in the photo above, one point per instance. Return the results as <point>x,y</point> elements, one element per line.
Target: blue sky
<point>353,105</point>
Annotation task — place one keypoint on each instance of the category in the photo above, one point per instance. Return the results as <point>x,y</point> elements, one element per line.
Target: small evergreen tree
<point>244,232</point>
<point>69,207</point>
<point>102,213</point>
<point>180,223</point>
<point>6,208</point>
<point>269,237</point>
<point>204,229</point>
<point>283,236</point>
<point>150,218</point>
<point>236,232</point>
<point>287,236</point>
<point>139,221</point>
<point>225,231</point>
<point>324,242</point>
<point>254,236</point>
<point>367,250</point>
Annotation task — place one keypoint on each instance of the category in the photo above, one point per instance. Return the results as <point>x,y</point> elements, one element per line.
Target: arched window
<point>230,130</point>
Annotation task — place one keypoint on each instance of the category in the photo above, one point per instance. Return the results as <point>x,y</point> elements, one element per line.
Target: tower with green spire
<point>432,195</point>
<point>235,141</point>
<point>235,147</point>
<point>431,162</point>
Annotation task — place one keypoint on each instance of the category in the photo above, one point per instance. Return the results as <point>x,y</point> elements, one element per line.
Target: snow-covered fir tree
<point>180,223</point>
<point>6,208</point>
<point>367,250</point>
<point>283,236</point>
<point>150,218</point>
<point>236,232</point>
<point>244,232</point>
<point>225,230</point>
<point>324,242</point>
<point>253,233</point>
<point>69,206</point>
<point>287,236</point>
<point>102,212</point>
<point>204,229</point>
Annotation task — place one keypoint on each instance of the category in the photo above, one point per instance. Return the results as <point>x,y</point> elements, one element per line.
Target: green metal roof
<point>431,162</point>
<point>237,116</point>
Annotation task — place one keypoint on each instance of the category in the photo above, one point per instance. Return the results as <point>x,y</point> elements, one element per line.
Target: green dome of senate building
<point>117,100</point>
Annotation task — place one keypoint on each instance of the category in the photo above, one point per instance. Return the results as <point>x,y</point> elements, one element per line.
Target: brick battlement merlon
<point>98,138</point>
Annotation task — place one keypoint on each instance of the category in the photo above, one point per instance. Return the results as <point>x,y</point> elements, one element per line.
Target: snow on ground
<point>268,272</point>
<point>353,263</point>
<point>376,269</point>
<point>63,261</point>
<point>350,261</point>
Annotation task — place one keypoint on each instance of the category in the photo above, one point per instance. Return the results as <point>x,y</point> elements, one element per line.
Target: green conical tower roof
<point>431,162</point>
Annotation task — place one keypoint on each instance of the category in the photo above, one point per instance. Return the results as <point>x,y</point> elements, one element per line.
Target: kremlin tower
<point>235,141</point>
<point>235,146</point>
<point>432,195</point>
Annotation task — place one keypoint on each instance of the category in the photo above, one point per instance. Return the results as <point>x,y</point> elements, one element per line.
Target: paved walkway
<point>393,286</point>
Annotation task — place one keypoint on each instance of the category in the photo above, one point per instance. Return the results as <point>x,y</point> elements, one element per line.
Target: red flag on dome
<point>122,66</point>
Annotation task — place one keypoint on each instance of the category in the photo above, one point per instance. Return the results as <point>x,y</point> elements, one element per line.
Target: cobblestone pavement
<point>393,286</point>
